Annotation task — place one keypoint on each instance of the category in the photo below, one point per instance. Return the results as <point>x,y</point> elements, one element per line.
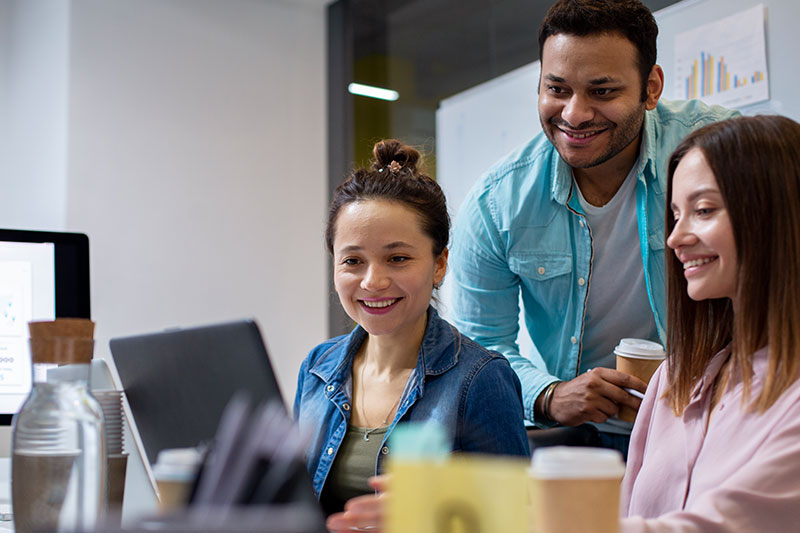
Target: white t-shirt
<point>617,304</point>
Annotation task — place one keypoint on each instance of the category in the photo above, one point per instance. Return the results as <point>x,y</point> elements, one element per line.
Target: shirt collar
<point>759,362</point>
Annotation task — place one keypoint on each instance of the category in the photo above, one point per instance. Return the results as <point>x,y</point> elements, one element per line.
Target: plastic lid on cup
<point>177,464</point>
<point>640,349</point>
<point>573,462</point>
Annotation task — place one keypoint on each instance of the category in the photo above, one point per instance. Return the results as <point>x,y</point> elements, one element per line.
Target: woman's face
<point>384,268</point>
<point>702,237</point>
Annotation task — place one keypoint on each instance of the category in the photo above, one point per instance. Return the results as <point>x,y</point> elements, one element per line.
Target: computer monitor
<point>43,275</point>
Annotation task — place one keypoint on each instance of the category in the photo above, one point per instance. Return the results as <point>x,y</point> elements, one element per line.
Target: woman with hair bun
<point>387,231</point>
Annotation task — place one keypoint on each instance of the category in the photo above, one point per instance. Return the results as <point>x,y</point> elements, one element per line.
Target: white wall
<point>33,76</point>
<point>194,155</point>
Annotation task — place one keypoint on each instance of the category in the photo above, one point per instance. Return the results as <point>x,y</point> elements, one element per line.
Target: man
<point>574,219</point>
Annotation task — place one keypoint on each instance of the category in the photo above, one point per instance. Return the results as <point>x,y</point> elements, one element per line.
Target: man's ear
<point>655,85</point>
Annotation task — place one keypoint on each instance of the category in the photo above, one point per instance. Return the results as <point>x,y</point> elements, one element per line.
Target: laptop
<point>179,381</point>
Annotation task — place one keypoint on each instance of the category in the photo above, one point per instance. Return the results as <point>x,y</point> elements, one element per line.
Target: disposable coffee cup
<point>576,489</point>
<point>175,472</point>
<point>639,358</point>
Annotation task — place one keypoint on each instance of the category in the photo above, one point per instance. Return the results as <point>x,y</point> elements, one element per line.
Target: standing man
<point>574,220</point>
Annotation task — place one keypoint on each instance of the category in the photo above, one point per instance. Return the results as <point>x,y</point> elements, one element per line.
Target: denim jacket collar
<point>434,356</point>
<point>646,165</point>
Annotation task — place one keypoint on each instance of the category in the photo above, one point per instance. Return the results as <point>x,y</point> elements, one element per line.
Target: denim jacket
<point>522,229</point>
<point>473,393</point>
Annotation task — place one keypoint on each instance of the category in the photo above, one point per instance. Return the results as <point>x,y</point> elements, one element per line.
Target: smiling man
<point>573,221</point>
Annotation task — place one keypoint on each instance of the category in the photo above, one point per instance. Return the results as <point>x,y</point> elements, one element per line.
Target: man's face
<point>590,97</point>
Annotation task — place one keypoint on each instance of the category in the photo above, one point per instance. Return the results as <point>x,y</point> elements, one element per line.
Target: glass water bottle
<point>59,454</point>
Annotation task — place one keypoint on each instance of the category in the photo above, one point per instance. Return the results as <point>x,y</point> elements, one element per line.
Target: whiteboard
<point>479,126</point>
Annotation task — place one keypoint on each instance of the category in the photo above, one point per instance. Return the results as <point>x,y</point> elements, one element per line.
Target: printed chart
<point>724,62</point>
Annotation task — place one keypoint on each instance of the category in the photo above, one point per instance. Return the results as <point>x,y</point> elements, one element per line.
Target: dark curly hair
<point>393,176</point>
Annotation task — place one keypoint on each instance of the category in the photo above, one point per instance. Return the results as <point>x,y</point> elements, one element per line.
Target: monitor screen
<point>43,275</point>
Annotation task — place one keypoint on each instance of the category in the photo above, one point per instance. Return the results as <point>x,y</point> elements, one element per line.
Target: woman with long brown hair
<point>716,445</point>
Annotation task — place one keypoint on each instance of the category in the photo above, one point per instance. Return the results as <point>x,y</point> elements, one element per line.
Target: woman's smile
<point>379,306</point>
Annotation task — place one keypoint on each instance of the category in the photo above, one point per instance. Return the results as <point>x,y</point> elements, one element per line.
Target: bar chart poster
<point>724,62</point>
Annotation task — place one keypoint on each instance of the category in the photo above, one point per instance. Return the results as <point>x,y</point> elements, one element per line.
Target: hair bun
<point>390,150</point>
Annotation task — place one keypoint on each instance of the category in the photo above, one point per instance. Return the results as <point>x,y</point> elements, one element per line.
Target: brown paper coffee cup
<point>175,471</point>
<point>576,489</point>
<point>173,495</point>
<point>639,358</point>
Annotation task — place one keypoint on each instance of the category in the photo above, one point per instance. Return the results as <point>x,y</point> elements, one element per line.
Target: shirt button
<point>385,450</point>
<point>581,282</point>
<point>573,340</point>
<point>330,388</point>
<point>540,270</point>
<point>346,406</point>
<point>330,451</point>
<point>582,223</point>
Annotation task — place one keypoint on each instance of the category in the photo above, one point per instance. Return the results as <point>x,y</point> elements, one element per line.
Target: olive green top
<point>354,464</point>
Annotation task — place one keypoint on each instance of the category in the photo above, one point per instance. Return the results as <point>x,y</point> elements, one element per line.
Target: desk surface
<point>5,493</point>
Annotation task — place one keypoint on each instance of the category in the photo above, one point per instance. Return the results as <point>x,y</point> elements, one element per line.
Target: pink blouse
<point>742,474</point>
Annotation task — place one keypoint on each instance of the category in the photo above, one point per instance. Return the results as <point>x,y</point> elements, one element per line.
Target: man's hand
<point>594,396</point>
<point>363,513</point>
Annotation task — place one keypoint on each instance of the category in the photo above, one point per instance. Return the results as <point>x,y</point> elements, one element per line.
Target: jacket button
<point>346,406</point>
<point>385,450</point>
<point>330,451</point>
<point>330,388</point>
<point>581,282</point>
<point>540,270</point>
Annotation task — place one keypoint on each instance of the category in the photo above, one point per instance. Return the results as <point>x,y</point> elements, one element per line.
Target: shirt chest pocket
<point>544,276</point>
<point>540,266</point>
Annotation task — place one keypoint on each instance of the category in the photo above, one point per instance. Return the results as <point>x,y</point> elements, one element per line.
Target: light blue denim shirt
<point>471,392</point>
<point>521,228</point>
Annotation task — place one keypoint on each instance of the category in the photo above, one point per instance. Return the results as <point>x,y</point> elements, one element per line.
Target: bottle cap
<point>62,341</point>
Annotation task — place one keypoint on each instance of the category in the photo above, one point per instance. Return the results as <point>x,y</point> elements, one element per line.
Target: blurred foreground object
<point>58,469</point>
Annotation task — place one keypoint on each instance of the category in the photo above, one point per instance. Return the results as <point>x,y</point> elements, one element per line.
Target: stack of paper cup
<point>639,358</point>
<point>576,489</point>
<point>111,403</point>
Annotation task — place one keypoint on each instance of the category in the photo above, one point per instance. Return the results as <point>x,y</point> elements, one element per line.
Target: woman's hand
<point>363,513</point>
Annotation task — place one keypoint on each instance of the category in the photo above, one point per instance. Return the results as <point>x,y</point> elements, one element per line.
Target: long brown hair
<point>756,162</point>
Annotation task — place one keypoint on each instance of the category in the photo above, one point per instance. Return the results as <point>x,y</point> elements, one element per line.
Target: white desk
<point>5,493</point>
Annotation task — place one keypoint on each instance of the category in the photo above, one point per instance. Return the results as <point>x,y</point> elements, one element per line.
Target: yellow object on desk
<point>461,494</point>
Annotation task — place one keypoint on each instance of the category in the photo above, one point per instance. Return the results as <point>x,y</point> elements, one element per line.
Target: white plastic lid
<point>572,462</point>
<point>177,464</point>
<point>640,349</point>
